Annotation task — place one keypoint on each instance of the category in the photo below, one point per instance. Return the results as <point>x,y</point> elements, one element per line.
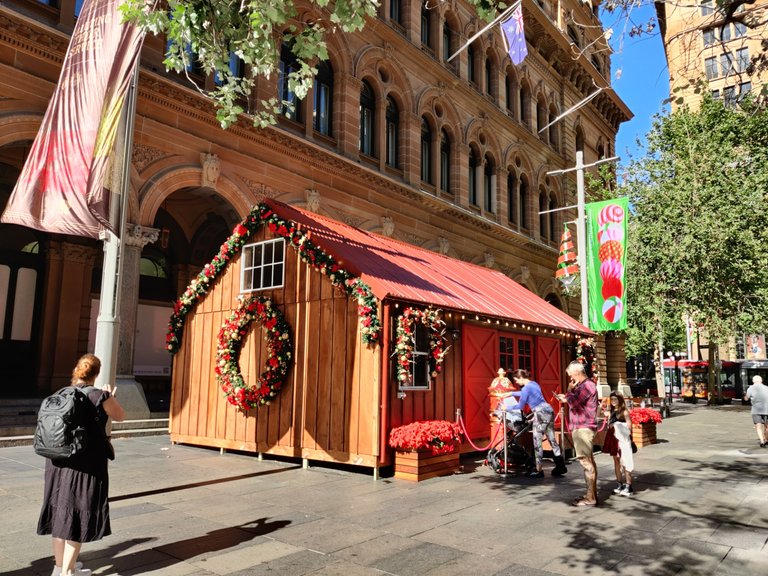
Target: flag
<point>606,264</point>
<point>514,36</point>
<point>60,188</point>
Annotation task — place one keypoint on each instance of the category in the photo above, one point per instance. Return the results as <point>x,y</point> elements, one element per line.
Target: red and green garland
<point>370,325</point>
<point>404,341</point>
<point>279,347</point>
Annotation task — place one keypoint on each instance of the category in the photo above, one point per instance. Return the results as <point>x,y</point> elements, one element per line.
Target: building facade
<point>452,157</point>
<point>712,51</point>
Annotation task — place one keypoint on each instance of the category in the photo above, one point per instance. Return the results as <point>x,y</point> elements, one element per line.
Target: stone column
<point>131,395</point>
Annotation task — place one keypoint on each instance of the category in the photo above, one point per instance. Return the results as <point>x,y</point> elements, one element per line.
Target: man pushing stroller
<point>543,422</point>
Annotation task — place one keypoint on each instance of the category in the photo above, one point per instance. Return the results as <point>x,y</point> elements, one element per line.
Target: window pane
<point>710,67</point>
<point>709,37</point>
<point>739,29</point>
<point>726,64</point>
<point>725,33</point>
<point>24,304</point>
<point>742,59</point>
<point>706,7</point>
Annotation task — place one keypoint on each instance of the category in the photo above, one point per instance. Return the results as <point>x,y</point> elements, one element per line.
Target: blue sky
<point>642,80</point>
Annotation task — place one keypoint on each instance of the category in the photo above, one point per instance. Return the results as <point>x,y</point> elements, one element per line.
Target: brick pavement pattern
<point>701,508</point>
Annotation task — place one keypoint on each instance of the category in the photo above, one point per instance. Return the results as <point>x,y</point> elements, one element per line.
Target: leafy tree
<point>699,236</point>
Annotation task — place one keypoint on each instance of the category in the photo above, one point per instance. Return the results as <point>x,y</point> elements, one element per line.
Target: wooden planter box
<point>644,434</point>
<point>419,465</point>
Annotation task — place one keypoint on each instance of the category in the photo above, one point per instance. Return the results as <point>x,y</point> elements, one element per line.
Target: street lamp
<point>672,381</point>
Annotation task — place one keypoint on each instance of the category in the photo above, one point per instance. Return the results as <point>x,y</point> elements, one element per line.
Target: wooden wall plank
<point>339,380</point>
<point>312,349</point>
<point>323,384</point>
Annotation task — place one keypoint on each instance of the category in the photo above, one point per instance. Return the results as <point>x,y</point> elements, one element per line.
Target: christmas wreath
<point>585,353</point>
<point>367,309</point>
<point>405,341</point>
<point>279,347</point>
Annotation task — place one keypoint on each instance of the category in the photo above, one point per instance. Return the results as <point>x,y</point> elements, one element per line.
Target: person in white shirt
<point>758,394</point>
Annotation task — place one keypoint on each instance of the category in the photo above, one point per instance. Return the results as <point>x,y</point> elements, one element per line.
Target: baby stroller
<point>517,456</point>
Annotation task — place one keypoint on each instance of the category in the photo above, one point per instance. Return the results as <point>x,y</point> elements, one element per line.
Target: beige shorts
<point>582,442</point>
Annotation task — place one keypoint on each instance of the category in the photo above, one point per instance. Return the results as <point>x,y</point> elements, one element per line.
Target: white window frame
<point>415,356</point>
<point>245,270</point>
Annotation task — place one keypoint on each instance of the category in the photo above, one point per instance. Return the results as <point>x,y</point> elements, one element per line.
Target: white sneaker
<point>619,488</point>
<point>57,569</point>
<point>627,490</point>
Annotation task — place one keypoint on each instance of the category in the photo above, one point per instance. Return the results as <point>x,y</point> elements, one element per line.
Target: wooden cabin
<point>341,395</point>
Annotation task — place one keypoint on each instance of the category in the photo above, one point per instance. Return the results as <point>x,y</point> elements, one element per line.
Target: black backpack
<point>63,423</point>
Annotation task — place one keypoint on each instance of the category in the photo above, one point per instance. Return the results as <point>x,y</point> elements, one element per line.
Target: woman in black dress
<point>75,507</point>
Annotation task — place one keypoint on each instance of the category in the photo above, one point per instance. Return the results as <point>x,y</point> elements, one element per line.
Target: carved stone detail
<point>444,245</point>
<point>313,200</point>
<point>525,274</point>
<point>140,236</point>
<point>349,219</point>
<point>259,190</point>
<point>77,253</point>
<point>387,226</point>
<point>211,170</point>
<point>144,155</point>
<point>488,260</point>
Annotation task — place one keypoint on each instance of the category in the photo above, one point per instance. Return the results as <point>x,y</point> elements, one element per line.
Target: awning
<point>400,271</point>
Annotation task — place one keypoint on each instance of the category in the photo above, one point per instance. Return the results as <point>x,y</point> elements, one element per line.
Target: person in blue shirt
<point>543,421</point>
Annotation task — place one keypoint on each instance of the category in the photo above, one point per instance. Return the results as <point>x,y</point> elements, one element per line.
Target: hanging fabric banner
<point>60,189</point>
<point>606,264</point>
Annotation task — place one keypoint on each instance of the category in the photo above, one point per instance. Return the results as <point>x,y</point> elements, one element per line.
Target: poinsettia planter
<point>416,465</point>
<point>644,434</point>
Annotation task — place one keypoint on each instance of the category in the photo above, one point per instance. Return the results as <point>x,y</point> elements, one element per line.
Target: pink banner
<point>60,188</point>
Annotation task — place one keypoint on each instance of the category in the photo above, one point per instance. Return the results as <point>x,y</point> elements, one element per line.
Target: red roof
<point>400,271</point>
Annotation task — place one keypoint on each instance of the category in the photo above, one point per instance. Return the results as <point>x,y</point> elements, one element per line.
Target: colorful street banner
<point>60,189</point>
<point>606,264</point>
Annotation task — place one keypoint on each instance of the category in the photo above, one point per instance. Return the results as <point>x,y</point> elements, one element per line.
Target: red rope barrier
<point>478,448</point>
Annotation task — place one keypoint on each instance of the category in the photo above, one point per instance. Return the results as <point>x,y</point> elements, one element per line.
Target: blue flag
<point>514,36</point>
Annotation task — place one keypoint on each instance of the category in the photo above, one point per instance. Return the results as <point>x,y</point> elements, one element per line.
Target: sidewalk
<point>701,508</point>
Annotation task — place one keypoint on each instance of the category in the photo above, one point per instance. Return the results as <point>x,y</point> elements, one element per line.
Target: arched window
<point>579,139</point>
<point>472,183</point>
<point>510,90</point>
<point>574,36</point>
<point>512,198</point>
<point>597,63</point>
<point>426,26</point>
<point>448,47</point>
<point>445,162</point>
<point>367,120</point>
<point>322,111</point>
<point>290,105</point>
<point>524,199</point>
<point>393,125</point>
<point>554,136</point>
<point>541,118</point>
<point>471,65</point>
<point>543,204</point>
<point>488,76</point>
<point>525,105</point>
<point>552,218</point>
<point>396,12</point>
<point>489,184</point>
<point>600,150</point>
<point>426,151</point>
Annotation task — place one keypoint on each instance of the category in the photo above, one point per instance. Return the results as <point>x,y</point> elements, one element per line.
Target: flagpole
<point>486,28</point>
<point>108,321</point>
<point>581,236</point>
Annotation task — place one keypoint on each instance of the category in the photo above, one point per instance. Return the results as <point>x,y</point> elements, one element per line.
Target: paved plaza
<point>701,508</point>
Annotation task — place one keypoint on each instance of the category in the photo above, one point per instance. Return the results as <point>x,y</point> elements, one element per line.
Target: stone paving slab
<point>701,509</point>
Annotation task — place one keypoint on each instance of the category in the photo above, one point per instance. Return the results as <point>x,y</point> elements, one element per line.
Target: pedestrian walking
<point>758,395</point>
<point>582,416</point>
<point>543,422</point>
<point>75,507</point>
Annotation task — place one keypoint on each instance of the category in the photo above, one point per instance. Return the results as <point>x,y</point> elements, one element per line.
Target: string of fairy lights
<point>514,325</point>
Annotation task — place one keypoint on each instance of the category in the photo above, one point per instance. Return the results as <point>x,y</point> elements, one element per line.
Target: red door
<point>479,359</point>
<point>548,370</point>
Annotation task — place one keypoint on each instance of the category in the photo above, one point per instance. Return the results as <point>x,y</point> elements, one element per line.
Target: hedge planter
<point>644,434</point>
<point>416,465</point>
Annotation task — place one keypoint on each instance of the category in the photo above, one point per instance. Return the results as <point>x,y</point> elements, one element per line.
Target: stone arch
<point>19,127</point>
<point>472,133</point>
<point>433,96</point>
<point>163,184</point>
<point>374,61</point>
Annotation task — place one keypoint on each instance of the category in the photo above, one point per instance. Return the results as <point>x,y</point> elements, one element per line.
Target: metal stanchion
<point>504,436</point>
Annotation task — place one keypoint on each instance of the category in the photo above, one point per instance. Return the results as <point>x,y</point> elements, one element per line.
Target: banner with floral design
<point>606,264</point>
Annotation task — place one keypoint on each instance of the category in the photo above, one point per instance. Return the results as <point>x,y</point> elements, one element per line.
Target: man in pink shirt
<point>582,416</point>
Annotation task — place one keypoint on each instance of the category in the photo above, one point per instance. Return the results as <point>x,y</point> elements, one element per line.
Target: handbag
<point>634,447</point>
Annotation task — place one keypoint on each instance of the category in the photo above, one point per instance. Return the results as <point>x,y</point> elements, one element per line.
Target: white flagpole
<point>108,321</point>
<point>572,109</point>
<point>484,30</point>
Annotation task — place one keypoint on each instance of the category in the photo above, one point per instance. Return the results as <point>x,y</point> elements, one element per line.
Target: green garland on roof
<point>367,308</point>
